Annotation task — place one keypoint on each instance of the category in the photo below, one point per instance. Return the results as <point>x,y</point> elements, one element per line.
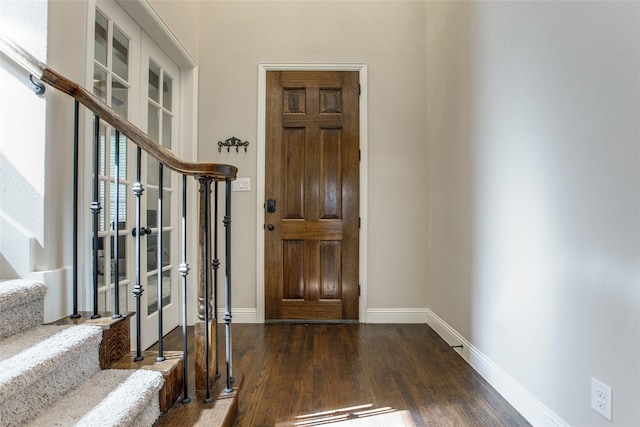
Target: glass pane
<point>100,45</point>
<point>166,245</point>
<point>152,207</point>
<point>120,52</point>
<point>153,123</point>
<point>167,92</point>
<point>119,98</point>
<point>152,250</point>
<point>152,171</point>
<point>166,130</point>
<point>124,298</point>
<point>122,155</point>
<point>166,177</point>
<point>100,83</point>
<point>166,288</point>
<point>103,150</point>
<point>122,206</point>
<point>152,289</point>
<point>122,257</point>
<point>101,261</point>
<point>154,81</point>
<point>102,301</point>
<point>102,199</point>
<point>152,294</point>
<point>166,208</point>
<point>152,253</point>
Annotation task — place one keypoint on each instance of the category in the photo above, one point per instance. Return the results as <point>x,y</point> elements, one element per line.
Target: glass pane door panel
<point>167,92</point>
<point>153,122</point>
<point>120,52</point>
<point>152,254</point>
<point>166,248</point>
<point>122,257</point>
<point>152,250</point>
<point>122,206</point>
<point>154,82</point>
<point>120,98</point>
<point>100,83</point>
<point>100,39</point>
<point>103,150</point>
<point>152,291</point>
<point>166,129</point>
<point>102,196</point>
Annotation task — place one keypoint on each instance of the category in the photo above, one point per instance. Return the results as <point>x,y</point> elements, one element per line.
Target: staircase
<point>50,374</point>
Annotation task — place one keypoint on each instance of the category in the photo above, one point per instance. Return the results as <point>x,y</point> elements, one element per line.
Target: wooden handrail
<point>217,171</point>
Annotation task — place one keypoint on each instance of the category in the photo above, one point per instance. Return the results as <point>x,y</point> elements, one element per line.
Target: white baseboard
<point>524,402</point>
<point>239,315</point>
<point>396,315</point>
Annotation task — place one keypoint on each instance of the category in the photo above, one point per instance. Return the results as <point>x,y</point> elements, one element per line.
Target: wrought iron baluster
<point>95,210</point>
<point>138,189</point>
<point>160,357</point>
<point>227,313</point>
<point>184,271</point>
<point>116,230</point>
<point>216,266</point>
<point>76,139</point>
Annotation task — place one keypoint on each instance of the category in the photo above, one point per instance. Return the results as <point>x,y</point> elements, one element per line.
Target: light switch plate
<point>241,184</point>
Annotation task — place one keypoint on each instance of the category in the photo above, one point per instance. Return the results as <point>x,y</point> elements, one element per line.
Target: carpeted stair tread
<point>21,306</point>
<point>112,397</point>
<point>33,375</point>
<point>18,291</point>
<point>26,366</point>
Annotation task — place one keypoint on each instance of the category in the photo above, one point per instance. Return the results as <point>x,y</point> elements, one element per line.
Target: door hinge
<point>359,290</point>
<point>359,89</point>
<point>359,222</point>
<point>359,155</point>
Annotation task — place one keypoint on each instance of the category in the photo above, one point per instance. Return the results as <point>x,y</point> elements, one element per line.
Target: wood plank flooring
<point>352,375</point>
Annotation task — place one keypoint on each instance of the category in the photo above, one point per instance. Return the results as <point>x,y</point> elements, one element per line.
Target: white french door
<point>133,76</point>
<point>159,107</point>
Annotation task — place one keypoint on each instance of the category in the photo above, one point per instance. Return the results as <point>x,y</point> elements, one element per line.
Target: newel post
<point>204,356</point>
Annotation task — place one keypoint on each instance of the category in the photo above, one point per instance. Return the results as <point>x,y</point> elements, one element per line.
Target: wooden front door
<point>312,193</point>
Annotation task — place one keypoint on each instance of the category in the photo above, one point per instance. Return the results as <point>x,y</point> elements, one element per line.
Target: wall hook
<point>233,142</point>
<point>38,86</point>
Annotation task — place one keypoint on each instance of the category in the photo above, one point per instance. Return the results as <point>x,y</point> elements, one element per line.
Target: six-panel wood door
<point>312,192</point>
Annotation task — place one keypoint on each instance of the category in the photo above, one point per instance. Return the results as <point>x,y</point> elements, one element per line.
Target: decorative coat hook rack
<point>233,142</point>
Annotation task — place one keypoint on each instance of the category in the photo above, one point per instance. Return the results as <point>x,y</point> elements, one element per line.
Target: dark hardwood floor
<point>352,375</point>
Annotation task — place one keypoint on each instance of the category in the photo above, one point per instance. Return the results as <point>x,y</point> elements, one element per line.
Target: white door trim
<point>263,67</point>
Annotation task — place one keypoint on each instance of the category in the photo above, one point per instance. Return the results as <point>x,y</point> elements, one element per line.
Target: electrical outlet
<point>601,398</point>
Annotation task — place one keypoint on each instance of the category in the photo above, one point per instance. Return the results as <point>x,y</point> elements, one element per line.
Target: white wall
<point>182,17</point>
<point>36,156</point>
<point>534,201</point>
<point>389,37</point>
<point>22,121</point>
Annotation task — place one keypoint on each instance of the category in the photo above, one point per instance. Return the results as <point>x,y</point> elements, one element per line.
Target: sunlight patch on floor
<point>362,415</point>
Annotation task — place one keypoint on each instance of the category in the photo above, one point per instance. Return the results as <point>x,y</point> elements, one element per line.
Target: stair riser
<point>19,318</point>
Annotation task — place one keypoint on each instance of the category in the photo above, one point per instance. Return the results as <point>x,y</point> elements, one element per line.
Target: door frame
<point>263,67</point>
